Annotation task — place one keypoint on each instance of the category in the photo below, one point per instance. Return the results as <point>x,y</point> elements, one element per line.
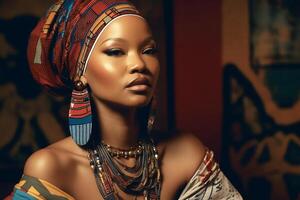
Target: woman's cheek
<point>154,64</point>
<point>155,69</point>
<point>103,72</point>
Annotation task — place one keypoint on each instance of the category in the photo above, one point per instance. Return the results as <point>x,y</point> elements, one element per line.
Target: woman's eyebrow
<point>148,40</point>
<point>145,41</point>
<point>113,39</point>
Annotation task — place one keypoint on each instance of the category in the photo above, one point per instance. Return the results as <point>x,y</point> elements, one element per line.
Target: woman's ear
<point>84,79</point>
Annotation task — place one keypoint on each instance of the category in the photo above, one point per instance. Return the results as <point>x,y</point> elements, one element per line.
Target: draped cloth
<point>208,183</point>
<point>31,188</point>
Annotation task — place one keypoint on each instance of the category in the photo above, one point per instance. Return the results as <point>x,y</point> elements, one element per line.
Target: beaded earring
<point>80,114</point>
<point>152,114</point>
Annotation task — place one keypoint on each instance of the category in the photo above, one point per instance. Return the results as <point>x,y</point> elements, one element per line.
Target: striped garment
<point>208,183</point>
<point>31,188</point>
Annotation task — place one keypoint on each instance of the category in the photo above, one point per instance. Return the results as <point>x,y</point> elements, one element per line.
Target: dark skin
<point>124,51</point>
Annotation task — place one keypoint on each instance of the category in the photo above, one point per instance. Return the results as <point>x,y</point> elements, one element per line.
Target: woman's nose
<point>136,63</point>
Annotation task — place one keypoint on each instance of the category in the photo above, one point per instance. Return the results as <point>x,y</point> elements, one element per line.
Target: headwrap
<point>60,44</point>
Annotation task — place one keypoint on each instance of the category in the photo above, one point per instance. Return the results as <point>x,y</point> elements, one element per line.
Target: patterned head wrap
<point>60,44</point>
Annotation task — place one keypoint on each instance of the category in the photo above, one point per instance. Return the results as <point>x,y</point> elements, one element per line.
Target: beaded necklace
<point>134,151</point>
<point>141,179</point>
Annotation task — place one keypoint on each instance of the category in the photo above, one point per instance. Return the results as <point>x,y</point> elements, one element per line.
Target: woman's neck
<point>118,126</point>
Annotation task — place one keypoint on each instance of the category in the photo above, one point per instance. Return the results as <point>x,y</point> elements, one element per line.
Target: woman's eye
<point>150,51</point>
<point>114,52</point>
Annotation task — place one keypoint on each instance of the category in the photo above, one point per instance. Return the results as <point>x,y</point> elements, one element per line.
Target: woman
<point>104,52</point>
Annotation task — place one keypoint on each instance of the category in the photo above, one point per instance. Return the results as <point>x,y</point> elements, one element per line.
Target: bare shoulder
<point>53,162</point>
<point>40,163</point>
<point>184,152</point>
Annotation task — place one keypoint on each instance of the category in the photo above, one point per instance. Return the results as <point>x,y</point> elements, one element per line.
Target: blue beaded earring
<point>80,114</point>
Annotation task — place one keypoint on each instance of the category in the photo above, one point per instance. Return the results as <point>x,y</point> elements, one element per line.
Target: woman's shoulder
<point>183,152</point>
<point>53,162</point>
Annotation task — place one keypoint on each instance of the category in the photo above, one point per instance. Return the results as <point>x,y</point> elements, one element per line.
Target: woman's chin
<point>139,101</point>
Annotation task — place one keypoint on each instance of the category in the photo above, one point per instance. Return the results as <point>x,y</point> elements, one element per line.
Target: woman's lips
<point>140,84</point>
<point>139,88</point>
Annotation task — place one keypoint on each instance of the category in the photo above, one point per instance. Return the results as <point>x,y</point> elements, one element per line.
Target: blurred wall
<point>261,121</point>
<point>198,69</point>
<point>236,85</point>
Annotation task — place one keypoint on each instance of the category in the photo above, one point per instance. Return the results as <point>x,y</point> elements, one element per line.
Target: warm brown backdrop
<point>198,69</point>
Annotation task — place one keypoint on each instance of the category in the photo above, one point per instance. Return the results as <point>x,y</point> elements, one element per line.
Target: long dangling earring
<point>80,114</point>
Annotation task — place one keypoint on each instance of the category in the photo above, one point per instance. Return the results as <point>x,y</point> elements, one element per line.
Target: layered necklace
<point>111,174</point>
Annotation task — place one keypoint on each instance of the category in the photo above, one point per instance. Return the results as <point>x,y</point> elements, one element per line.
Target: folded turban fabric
<point>60,44</point>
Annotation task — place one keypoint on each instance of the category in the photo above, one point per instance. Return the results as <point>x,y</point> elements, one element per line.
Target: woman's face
<point>123,68</point>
